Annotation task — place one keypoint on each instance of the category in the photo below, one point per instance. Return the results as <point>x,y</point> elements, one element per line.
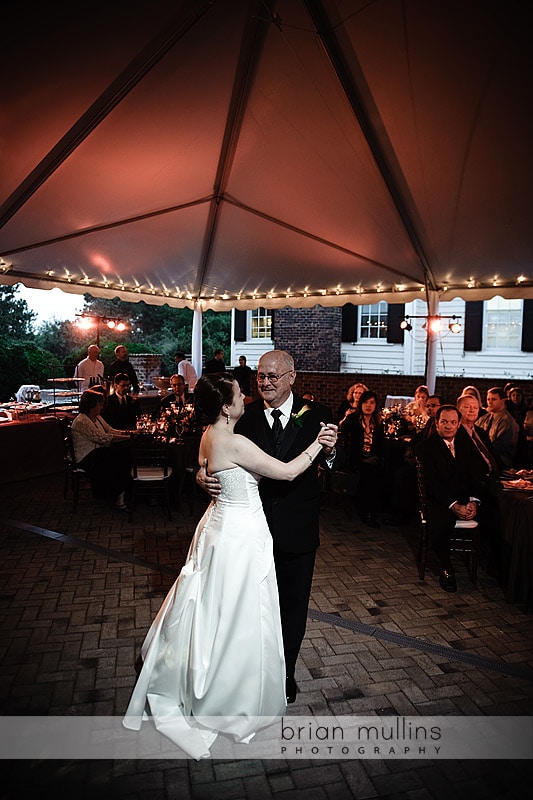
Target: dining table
<point>515,498</point>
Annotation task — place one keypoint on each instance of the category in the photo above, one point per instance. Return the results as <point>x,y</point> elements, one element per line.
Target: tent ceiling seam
<point>330,41</point>
<point>99,110</point>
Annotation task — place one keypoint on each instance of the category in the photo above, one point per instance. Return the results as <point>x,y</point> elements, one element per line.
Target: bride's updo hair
<point>212,392</point>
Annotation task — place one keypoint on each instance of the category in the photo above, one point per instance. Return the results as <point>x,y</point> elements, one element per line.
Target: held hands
<point>327,437</point>
<point>467,511</point>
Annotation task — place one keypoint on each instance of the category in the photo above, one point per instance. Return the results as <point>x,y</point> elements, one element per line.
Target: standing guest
<point>178,395</point>
<point>122,364</point>
<point>349,405</point>
<point>91,369</point>
<point>364,445</point>
<point>500,426</point>
<point>121,410</point>
<point>213,658</point>
<point>215,364</point>
<point>186,370</point>
<point>243,374</point>
<point>451,487</point>
<point>101,450</point>
<point>282,424</point>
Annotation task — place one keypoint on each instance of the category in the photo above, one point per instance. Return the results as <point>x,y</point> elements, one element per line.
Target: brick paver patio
<point>79,592</point>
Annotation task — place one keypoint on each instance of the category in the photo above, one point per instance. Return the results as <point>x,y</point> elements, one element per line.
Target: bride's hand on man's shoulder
<point>208,483</point>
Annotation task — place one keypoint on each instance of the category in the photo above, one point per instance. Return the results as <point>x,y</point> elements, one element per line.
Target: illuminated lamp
<point>405,325</point>
<point>455,326</point>
<point>111,323</point>
<point>121,326</point>
<point>434,324</point>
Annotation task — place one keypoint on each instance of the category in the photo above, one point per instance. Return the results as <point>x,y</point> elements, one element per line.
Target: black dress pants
<point>294,573</point>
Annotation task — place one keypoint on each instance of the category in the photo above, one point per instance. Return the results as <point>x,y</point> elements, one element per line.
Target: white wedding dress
<point>213,657</point>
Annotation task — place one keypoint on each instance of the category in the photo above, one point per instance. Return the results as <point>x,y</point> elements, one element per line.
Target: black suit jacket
<point>291,507</point>
<point>448,479</point>
<point>124,418</point>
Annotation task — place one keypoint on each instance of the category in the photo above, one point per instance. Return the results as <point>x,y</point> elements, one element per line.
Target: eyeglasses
<point>261,377</point>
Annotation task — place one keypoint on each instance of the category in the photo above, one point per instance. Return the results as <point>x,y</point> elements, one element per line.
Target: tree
<point>16,319</point>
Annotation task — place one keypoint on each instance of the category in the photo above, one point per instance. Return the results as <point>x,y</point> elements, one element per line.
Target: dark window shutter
<point>272,313</point>
<point>240,326</point>
<point>349,323</point>
<point>473,325</point>
<point>395,314</point>
<point>527,327</point>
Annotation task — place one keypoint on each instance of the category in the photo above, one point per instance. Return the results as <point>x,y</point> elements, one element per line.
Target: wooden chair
<point>464,540</point>
<point>150,470</point>
<point>74,474</point>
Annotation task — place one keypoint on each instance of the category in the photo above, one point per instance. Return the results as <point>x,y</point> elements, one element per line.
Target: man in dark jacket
<point>452,484</point>
<point>121,364</point>
<point>291,507</point>
<point>121,410</point>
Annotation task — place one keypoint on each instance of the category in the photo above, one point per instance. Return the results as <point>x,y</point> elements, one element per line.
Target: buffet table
<point>30,449</point>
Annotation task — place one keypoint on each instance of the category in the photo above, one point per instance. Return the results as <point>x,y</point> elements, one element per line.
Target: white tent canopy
<point>244,153</point>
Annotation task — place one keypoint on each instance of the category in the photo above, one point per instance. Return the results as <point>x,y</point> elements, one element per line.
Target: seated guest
<point>416,412</point>
<point>473,390</point>
<point>178,396</point>
<point>516,404</point>
<point>363,440</point>
<point>500,426</point>
<point>349,405</point>
<point>121,410</point>
<point>101,450</point>
<point>404,492</point>
<point>451,487</point>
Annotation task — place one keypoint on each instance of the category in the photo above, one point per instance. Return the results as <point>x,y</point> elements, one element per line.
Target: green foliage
<point>23,362</point>
<point>56,347</point>
<point>16,319</point>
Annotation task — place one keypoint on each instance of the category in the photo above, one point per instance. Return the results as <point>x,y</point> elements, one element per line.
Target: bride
<point>213,657</point>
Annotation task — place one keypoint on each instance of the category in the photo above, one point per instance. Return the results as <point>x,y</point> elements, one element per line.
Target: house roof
<point>244,153</point>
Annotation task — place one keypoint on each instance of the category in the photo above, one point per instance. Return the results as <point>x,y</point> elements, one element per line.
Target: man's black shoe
<point>291,689</point>
<point>447,580</point>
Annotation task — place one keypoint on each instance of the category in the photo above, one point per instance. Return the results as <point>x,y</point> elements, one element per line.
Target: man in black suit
<point>178,395</point>
<point>452,484</point>
<point>291,508</point>
<point>215,364</point>
<point>121,410</point>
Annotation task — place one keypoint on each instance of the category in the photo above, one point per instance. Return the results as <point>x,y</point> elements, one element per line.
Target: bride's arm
<point>248,455</point>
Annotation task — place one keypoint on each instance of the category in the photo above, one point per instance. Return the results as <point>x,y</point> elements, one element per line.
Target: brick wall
<point>146,365</point>
<point>312,336</point>
<point>330,388</point>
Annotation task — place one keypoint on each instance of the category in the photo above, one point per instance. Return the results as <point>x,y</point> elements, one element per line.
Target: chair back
<point>150,458</point>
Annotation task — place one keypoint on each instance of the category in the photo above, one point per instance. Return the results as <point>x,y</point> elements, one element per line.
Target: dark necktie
<point>277,428</point>
<point>485,452</point>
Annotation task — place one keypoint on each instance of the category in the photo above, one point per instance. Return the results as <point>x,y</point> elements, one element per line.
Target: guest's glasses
<point>261,377</point>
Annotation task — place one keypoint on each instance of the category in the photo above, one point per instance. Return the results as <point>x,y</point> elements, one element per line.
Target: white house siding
<point>409,359</point>
<point>381,358</point>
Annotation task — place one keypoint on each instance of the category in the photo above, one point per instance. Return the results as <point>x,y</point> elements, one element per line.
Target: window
<point>373,321</point>
<point>261,323</point>
<point>503,324</point>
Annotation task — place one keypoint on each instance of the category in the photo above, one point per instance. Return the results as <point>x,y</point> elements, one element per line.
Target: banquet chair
<point>464,540</point>
<point>150,471</point>
<point>74,475</point>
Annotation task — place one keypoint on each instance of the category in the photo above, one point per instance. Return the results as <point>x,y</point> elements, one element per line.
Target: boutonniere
<point>297,418</point>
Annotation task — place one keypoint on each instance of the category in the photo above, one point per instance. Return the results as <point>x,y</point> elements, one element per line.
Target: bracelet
<point>309,456</point>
